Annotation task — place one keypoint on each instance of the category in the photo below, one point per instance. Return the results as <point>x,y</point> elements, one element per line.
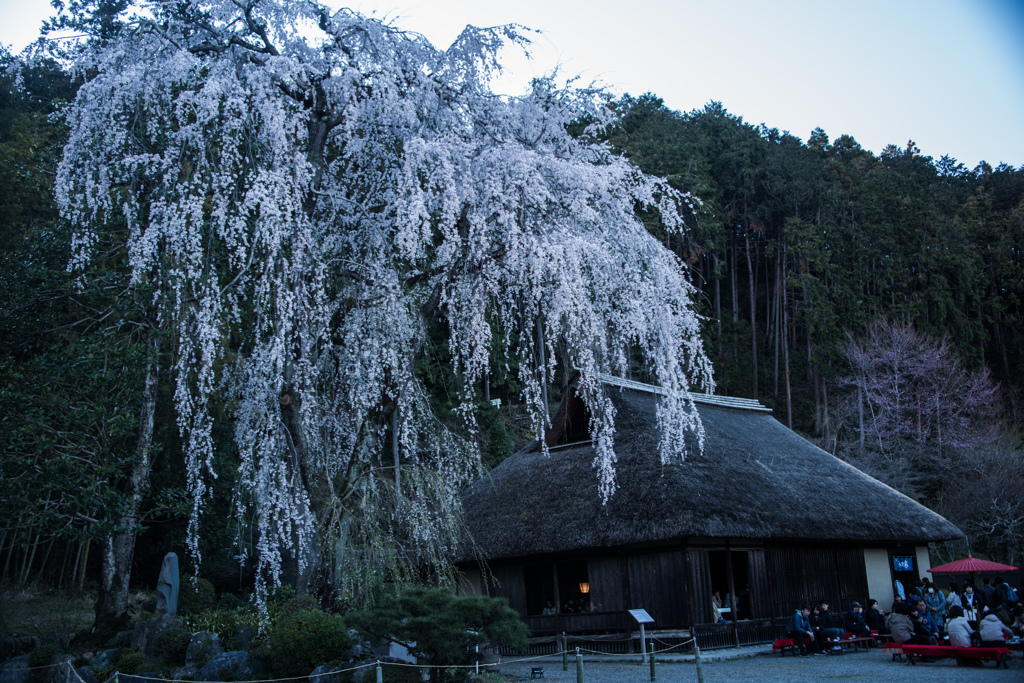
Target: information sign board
<point>641,616</point>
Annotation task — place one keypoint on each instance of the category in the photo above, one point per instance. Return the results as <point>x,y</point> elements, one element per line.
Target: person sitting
<point>549,608</point>
<point>958,628</point>
<point>854,621</point>
<point>716,605</point>
<point>875,617</point>
<point>799,628</point>
<point>899,624</point>
<point>993,631</point>
<point>926,632</point>
<point>1018,620</point>
<point>827,632</point>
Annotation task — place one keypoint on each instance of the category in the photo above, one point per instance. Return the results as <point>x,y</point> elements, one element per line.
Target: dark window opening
<point>573,587</point>
<point>539,580</point>
<point>571,423</point>
<point>718,567</point>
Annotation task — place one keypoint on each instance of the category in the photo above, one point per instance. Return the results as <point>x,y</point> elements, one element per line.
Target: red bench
<point>997,654</point>
<point>783,644</point>
<point>895,649</point>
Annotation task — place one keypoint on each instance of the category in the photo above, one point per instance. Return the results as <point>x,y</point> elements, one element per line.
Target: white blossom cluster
<point>305,192</point>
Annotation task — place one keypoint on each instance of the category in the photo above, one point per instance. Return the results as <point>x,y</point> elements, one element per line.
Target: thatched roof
<point>755,479</point>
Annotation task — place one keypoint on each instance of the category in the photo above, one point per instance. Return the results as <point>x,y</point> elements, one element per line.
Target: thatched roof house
<point>762,514</point>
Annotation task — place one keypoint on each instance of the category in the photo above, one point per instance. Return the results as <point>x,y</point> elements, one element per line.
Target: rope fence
<point>73,674</point>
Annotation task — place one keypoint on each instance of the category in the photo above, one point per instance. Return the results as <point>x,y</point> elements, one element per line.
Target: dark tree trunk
<point>718,305</point>
<point>753,318</point>
<point>119,548</point>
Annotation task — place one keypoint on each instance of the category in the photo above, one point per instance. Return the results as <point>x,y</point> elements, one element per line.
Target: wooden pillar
<point>732,593</point>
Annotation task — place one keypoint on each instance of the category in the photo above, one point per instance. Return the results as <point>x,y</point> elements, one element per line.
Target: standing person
<point>799,628</point>
<point>936,605</point>
<point>988,593</point>
<point>953,599</point>
<point>971,603</point>
<point>875,617</point>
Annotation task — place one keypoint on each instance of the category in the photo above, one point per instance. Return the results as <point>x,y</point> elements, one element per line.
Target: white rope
<point>673,647</point>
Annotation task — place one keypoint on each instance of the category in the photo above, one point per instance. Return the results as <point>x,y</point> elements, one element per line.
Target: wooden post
<point>732,594</point>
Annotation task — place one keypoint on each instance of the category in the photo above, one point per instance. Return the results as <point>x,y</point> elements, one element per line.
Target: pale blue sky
<point>948,74</point>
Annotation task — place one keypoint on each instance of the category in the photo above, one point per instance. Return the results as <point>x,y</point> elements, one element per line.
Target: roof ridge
<point>709,399</point>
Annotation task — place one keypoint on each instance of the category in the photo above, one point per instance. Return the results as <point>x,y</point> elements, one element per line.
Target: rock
<point>361,647</point>
<point>105,660</point>
<point>228,666</point>
<point>145,632</point>
<point>203,647</point>
<point>59,671</point>
<point>21,645</point>
<point>121,639</point>
<point>338,672</point>
<point>241,638</point>
<point>16,671</point>
<point>185,673</point>
<point>138,678</point>
<point>86,674</point>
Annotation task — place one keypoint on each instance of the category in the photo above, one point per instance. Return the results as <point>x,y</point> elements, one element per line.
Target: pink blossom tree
<point>916,412</point>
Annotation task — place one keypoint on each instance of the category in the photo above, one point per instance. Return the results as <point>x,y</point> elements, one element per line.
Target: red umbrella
<point>969,565</point>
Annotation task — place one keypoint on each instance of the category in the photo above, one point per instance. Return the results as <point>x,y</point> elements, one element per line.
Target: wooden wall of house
<point>609,584</point>
<point>675,586</point>
<point>700,584</point>
<point>510,585</point>
<point>657,583</point>
<point>801,574</point>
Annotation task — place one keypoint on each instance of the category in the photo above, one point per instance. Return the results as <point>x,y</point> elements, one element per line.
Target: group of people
<point>816,627</point>
<point>984,617</point>
<point>578,606</point>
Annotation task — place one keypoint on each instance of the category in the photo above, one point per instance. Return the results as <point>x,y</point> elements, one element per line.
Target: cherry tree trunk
<point>119,548</point>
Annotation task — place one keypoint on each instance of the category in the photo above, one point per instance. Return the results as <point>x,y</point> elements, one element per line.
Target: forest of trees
<point>874,302</point>
<point>835,283</point>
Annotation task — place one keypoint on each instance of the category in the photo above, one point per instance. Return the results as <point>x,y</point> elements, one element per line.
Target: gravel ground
<point>861,666</point>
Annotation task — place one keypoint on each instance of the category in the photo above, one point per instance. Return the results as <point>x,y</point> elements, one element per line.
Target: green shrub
<point>394,674</point>
<point>195,595</point>
<point>223,621</point>
<point>302,640</point>
<point>132,662</point>
<point>42,655</point>
<point>230,601</point>
<point>442,627</point>
<point>171,644</point>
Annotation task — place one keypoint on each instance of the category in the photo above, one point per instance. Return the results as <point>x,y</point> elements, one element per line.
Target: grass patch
<point>55,616</point>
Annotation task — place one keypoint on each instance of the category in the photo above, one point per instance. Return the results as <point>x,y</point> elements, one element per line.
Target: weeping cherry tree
<point>305,192</point>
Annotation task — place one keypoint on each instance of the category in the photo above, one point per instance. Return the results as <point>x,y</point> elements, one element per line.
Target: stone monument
<point>167,585</point>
